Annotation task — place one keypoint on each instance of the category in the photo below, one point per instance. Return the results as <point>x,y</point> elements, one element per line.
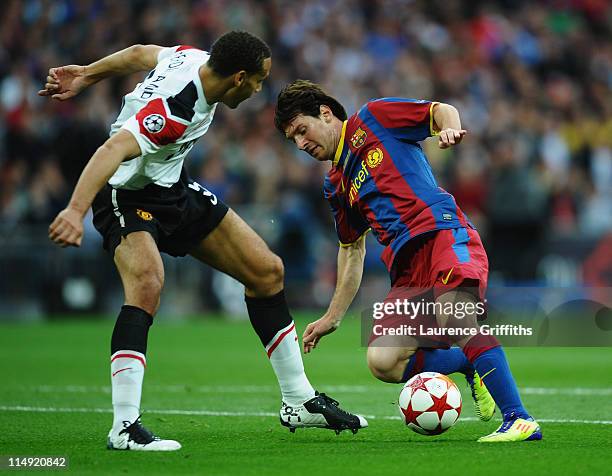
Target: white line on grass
<point>249,389</point>
<point>248,414</point>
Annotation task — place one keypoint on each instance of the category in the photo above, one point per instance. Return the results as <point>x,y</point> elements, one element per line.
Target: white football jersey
<point>166,113</point>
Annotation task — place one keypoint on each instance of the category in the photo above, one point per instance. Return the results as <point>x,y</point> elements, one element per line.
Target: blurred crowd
<point>532,81</point>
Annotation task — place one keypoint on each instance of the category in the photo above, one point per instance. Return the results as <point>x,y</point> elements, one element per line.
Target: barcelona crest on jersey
<point>359,138</point>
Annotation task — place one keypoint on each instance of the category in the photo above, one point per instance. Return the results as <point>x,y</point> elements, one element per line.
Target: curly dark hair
<point>303,97</point>
<point>236,51</point>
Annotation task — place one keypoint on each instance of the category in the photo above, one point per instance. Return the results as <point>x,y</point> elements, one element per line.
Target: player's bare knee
<point>145,285</point>
<point>151,286</point>
<point>269,279</point>
<point>276,271</point>
<point>384,374</point>
<point>388,364</point>
<point>383,365</point>
<point>149,276</point>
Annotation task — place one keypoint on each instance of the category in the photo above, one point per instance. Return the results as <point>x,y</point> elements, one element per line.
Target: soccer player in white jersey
<point>144,203</point>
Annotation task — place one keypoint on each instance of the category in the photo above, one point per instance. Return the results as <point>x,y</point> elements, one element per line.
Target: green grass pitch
<point>210,386</point>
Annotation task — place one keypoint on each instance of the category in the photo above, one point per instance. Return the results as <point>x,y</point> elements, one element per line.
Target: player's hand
<point>317,329</point>
<point>65,82</point>
<point>449,137</point>
<point>67,228</point>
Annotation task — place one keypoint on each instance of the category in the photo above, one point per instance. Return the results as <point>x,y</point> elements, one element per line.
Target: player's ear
<point>239,78</point>
<point>326,112</point>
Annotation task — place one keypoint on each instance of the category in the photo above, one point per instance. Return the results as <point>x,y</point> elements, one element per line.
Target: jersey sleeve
<point>405,119</point>
<point>153,128</point>
<point>350,226</point>
<point>166,52</point>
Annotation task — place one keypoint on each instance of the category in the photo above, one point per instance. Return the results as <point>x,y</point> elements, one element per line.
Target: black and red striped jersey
<point>167,112</point>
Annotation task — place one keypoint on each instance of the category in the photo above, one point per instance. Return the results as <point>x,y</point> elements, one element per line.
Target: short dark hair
<point>236,51</point>
<point>303,97</point>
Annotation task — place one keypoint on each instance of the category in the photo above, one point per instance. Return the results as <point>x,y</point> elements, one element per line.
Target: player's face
<point>314,135</point>
<point>249,84</point>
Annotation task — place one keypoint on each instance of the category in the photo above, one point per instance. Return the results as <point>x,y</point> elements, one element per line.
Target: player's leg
<point>388,363</point>
<point>394,357</point>
<point>141,270</point>
<point>400,364</point>
<point>142,273</point>
<point>393,363</point>
<point>235,249</point>
<point>488,358</point>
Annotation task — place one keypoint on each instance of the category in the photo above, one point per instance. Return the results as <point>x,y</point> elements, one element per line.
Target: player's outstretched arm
<point>448,125</point>
<point>350,270</point>
<point>65,82</point>
<point>67,228</point>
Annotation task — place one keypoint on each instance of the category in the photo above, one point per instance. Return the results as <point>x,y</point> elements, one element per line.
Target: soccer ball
<point>430,403</point>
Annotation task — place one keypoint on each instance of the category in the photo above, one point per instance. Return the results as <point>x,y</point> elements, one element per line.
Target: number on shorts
<point>207,193</point>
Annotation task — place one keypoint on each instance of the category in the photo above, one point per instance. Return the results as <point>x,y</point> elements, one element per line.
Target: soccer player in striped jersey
<point>380,180</point>
<point>144,203</point>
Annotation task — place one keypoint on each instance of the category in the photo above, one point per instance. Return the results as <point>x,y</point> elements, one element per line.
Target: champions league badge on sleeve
<point>154,123</point>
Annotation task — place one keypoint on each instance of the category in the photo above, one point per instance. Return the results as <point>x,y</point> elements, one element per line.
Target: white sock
<point>286,359</point>
<point>127,372</point>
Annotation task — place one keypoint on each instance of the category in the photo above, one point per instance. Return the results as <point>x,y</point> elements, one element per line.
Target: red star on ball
<point>419,382</point>
<point>410,415</point>
<point>440,405</point>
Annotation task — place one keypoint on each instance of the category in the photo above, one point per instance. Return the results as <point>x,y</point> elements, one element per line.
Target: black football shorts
<point>178,217</point>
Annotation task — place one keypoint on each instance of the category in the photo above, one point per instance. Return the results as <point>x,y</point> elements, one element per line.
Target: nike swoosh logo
<point>121,370</point>
<point>482,378</point>
<point>445,280</point>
